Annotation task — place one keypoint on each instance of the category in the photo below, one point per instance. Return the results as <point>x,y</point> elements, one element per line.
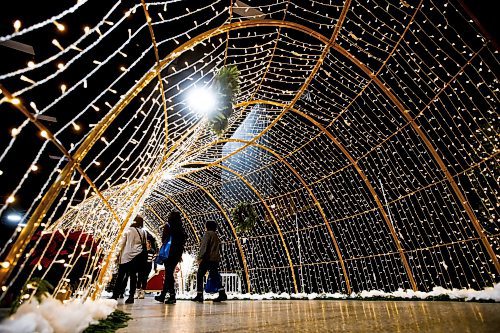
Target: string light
<point>44,134</point>
<point>17,25</point>
<point>59,26</point>
<point>11,199</point>
<point>343,155</point>
<point>34,167</point>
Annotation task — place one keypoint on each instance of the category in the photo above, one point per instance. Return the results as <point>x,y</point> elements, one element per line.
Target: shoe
<point>129,300</point>
<point>171,299</point>
<point>222,297</point>
<point>198,298</point>
<point>140,294</point>
<point>160,298</point>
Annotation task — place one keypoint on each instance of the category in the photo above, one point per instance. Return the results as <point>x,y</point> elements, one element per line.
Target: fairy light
<point>11,199</point>
<point>341,98</point>
<point>76,127</point>
<point>60,65</point>
<point>5,264</point>
<point>63,88</point>
<point>34,167</point>
<point>56,43</point>
<point>44,134</point>
<point>31,64</point>
<point>59,26</point>
<point>17,25</point>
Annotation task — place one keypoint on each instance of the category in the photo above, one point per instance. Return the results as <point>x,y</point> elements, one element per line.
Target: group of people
<point>138,250</point>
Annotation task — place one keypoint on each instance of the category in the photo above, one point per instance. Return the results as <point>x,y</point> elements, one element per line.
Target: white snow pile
<point>489,294</point>
<point>54,316</point>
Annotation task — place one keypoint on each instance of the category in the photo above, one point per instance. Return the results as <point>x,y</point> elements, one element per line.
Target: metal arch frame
<point>169,198</point>
<point>273,217</point>
<point>238,243</point>
<point>97,131</point>
<point>363,176</point>
<point>304,184</point>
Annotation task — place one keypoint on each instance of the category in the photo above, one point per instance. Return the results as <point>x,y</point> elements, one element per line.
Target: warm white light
<point>76,127</point>
<point>86,29</point>
<point>44,134</point>
<point>15,101</point>
<point>60,65</point>
<point>14,131</point>
<point>63,88</point>
<point>17,25</point>
<point>59,26</point>
<point>34,167</point>
<point>11,199</point>
<point>13,217</point>
<point>167,176</point>
<point>31,64</point>
<point>202,100</point>
<point>5,264</point>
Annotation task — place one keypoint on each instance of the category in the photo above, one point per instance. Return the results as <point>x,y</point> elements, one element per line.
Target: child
<point>208,260</point>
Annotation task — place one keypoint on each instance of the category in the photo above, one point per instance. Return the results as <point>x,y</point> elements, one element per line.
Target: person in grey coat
<point>208,261</point>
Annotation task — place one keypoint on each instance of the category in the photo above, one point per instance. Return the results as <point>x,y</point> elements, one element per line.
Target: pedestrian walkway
<point>312,316</point>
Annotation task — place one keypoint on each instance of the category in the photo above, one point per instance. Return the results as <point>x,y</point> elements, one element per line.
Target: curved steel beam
<point>361,173</point>
<point>304,184</point>
<point>169,198</point>
<point>273,217</point>
<point>238,243</point>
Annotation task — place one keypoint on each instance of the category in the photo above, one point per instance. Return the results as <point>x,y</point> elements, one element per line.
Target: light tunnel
<point>365,135</point>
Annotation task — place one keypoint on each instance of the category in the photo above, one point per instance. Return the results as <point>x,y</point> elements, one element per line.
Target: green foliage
<point>42,289</point>
<point>117,319</point>
<point>244,217</point>
<point>227,85</point>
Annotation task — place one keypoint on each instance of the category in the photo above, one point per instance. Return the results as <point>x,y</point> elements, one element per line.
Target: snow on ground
<point>54,316</point>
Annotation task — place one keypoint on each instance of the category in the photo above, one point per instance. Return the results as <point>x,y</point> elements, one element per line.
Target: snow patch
<point>54,316</point>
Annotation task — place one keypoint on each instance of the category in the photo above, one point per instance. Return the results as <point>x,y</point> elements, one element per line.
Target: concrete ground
<point>312,316</point>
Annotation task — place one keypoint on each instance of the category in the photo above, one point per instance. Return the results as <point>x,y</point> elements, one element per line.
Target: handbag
<point>142,257</point>
<point>213,283</point>
<point>164,252</point>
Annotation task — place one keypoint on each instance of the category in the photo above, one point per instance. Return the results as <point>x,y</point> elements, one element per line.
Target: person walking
<point>208,260</point>
<point>173,231</point>
<point>142,280</point>
<point>131,259</point>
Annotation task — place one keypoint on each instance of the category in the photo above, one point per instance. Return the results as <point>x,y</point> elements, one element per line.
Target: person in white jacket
<point>132,259</point>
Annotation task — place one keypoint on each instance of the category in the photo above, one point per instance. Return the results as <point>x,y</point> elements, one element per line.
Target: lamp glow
<point>202,100</point>
<point>14,217</point>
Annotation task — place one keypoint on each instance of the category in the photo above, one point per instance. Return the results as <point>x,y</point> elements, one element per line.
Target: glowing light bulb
<point>44,134</point>
<point>59,26</point>
<point>97,163</point>
<point>123,69</point>
<point>5,264</point>
<point>86,29</point>
<point>60,65</point>
<point>17,25</point>
<point>202,100</point>
<point>76,127</point>
<point>11,199</point>
<point>14,131</point>
<point>63,88</point>
<point>34,167</point>
<point>31,64</point>
<point>15,101</point>
<point>56,43</point>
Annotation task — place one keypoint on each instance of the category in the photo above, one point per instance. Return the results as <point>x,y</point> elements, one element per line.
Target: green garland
<point>244,217</point>
<point>227,85</point>
<point>42,289</point>
<point>117,319</point>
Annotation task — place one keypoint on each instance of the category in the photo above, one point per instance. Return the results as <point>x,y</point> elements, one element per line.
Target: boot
<point>222,296</point>
<point>129,300</point>
<point>171,299</point>
<point>198,298</point>
<point>160,298</point>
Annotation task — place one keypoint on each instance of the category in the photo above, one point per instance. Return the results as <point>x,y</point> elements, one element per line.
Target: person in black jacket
<point>172,229</point>
<point>208,260</point>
